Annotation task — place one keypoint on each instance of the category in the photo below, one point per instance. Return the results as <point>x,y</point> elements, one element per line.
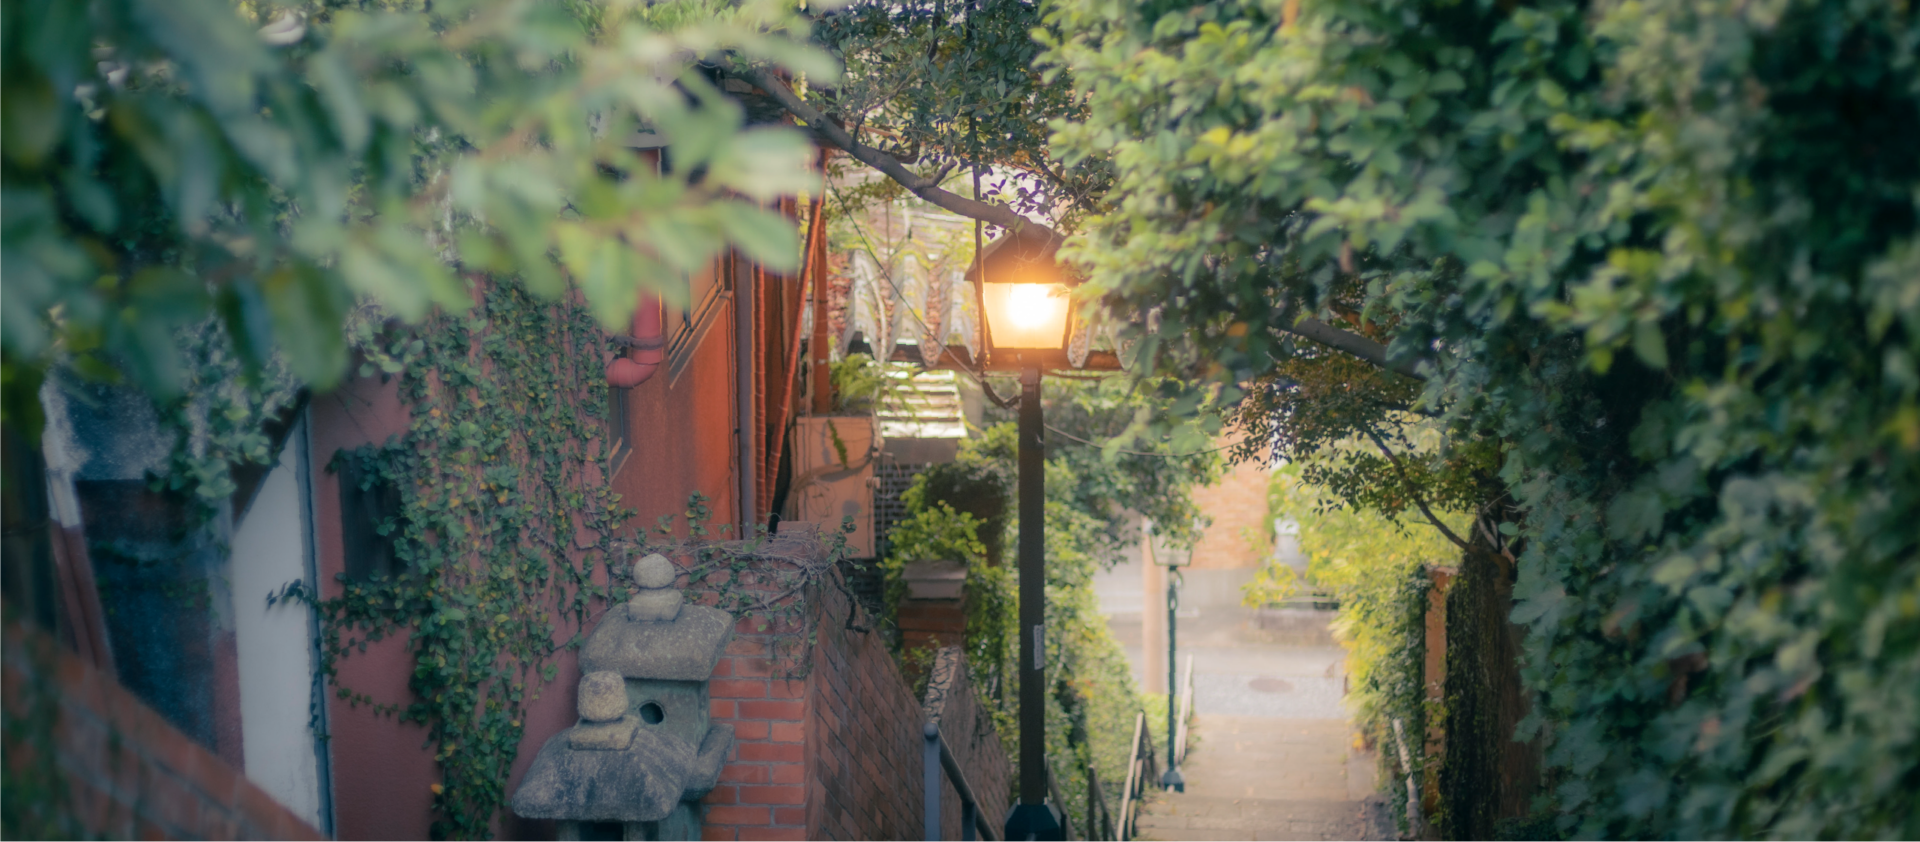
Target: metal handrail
<point>1099,815</point>
<point>937,757</point>
<point>1141,766</point>
<point>1060,801</point>
<point>1133,771</point>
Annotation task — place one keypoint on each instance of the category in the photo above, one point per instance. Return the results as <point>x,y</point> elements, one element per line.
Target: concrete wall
<point>275,643</point>
<point>111,767</point>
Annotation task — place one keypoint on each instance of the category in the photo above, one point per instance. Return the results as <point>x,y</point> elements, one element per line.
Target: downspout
<point>646,346</point>
<point>790,363</point>
<point>744,322</point>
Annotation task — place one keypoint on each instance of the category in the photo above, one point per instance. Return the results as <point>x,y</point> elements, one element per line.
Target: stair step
<point>1193,817</point>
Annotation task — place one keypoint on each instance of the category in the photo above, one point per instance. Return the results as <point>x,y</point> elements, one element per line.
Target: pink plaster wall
<point>381,767</point>
<point>382,770</point>
<point>683,435</point>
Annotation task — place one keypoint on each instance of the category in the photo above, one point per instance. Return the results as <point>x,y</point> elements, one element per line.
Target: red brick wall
<point>975,743</point>
<point>828,738</point>
<point>1241,535</point>
<point>864,735</point>
<point>762,788</point>
<point>119,770</point>
<point>931,623</point>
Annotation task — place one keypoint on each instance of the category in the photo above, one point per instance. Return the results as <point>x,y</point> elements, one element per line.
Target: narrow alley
<point>1271,752</point>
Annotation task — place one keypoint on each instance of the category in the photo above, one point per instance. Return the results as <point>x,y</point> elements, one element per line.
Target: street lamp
<point>1027,306</point>
<point>1163,548</point>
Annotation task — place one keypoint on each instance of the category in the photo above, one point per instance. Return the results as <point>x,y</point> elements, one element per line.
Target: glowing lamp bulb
<point>1027,315</point>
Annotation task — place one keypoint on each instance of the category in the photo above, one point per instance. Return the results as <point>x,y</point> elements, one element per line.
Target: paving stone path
<point>1271,753</point>
<point>1262,777</point>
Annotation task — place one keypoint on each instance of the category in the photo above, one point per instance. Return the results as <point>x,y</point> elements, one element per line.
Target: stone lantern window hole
<point>651,713</point>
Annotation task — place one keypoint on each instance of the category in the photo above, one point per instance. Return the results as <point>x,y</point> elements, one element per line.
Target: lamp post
<point>1172,779</point>
<point>1025,302</point>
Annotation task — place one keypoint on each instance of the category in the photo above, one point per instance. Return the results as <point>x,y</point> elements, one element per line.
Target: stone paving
<point>1271,752</point>
<point>1263,777</point>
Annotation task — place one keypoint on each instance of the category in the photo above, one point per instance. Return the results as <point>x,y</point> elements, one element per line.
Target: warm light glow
<point>1026,315</point>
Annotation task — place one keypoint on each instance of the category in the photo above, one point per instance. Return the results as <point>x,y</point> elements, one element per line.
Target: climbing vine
<point>756,576</point>
<point>222,414</point>
<point>504,517</point>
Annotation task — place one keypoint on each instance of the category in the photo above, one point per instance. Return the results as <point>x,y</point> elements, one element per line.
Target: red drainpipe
<point>647,348</point>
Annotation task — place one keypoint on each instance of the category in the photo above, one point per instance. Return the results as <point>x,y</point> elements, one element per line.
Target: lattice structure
<point>891,480</point>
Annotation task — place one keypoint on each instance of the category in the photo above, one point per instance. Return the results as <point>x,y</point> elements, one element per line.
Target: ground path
<point>1272,755</point>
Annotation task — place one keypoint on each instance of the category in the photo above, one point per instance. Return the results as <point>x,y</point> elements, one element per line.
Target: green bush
<point>1659,258</point>
<point>1093,701</point>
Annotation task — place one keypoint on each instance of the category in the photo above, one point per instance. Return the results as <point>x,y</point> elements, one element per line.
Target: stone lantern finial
<point>656,600</point>
<point>603,696</point>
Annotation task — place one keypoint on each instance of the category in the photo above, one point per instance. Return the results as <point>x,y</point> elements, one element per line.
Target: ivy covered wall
<point>485,432</point>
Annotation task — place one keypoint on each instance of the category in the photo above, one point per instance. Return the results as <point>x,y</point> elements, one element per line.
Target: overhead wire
<point>1065,434</point>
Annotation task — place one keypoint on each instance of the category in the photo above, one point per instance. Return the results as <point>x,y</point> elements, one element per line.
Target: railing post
<point>930,757</point>
<point>1129,792</point>
<point>1093,804</point>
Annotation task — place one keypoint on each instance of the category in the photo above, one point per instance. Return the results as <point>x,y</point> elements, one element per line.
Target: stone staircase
<point>1270,778</point>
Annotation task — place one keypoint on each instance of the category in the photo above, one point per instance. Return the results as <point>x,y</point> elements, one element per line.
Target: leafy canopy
<point>167,161</point>
<point>1658,260</point>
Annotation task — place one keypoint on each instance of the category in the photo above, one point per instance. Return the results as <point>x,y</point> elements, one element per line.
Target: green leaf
<point>767,237</point>
<point>31,119</point>
<point>1650,344</point>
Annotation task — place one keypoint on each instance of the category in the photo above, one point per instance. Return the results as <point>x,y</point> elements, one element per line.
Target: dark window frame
<point>619,429</point>
<point>368,502</point>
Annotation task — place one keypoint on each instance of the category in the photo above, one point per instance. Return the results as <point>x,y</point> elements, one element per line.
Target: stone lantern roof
<point>683,650</point>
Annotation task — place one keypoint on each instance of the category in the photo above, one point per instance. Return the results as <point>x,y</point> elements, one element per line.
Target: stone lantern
<point>644,751</point>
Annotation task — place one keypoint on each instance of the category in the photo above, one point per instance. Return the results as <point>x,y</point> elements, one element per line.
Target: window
<point>687,326</point>
<point>370,521</point>
<point>619,430</point>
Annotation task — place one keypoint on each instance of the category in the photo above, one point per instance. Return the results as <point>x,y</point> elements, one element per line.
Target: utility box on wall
<point>833,461</point>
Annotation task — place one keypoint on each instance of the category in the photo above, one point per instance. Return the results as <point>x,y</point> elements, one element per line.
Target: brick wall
<point>761,793</point>
<point>931,623</point>
<point>828,739</point>
<point>975,743</point>
<point>118,770</point>
<point>864,735</point>
<point>1241,534</point>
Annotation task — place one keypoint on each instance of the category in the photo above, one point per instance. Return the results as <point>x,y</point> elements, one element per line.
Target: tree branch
<point>1355,344</point>
<point>926,189</point>
<point>1413,492</point>
<point>824,128</point>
